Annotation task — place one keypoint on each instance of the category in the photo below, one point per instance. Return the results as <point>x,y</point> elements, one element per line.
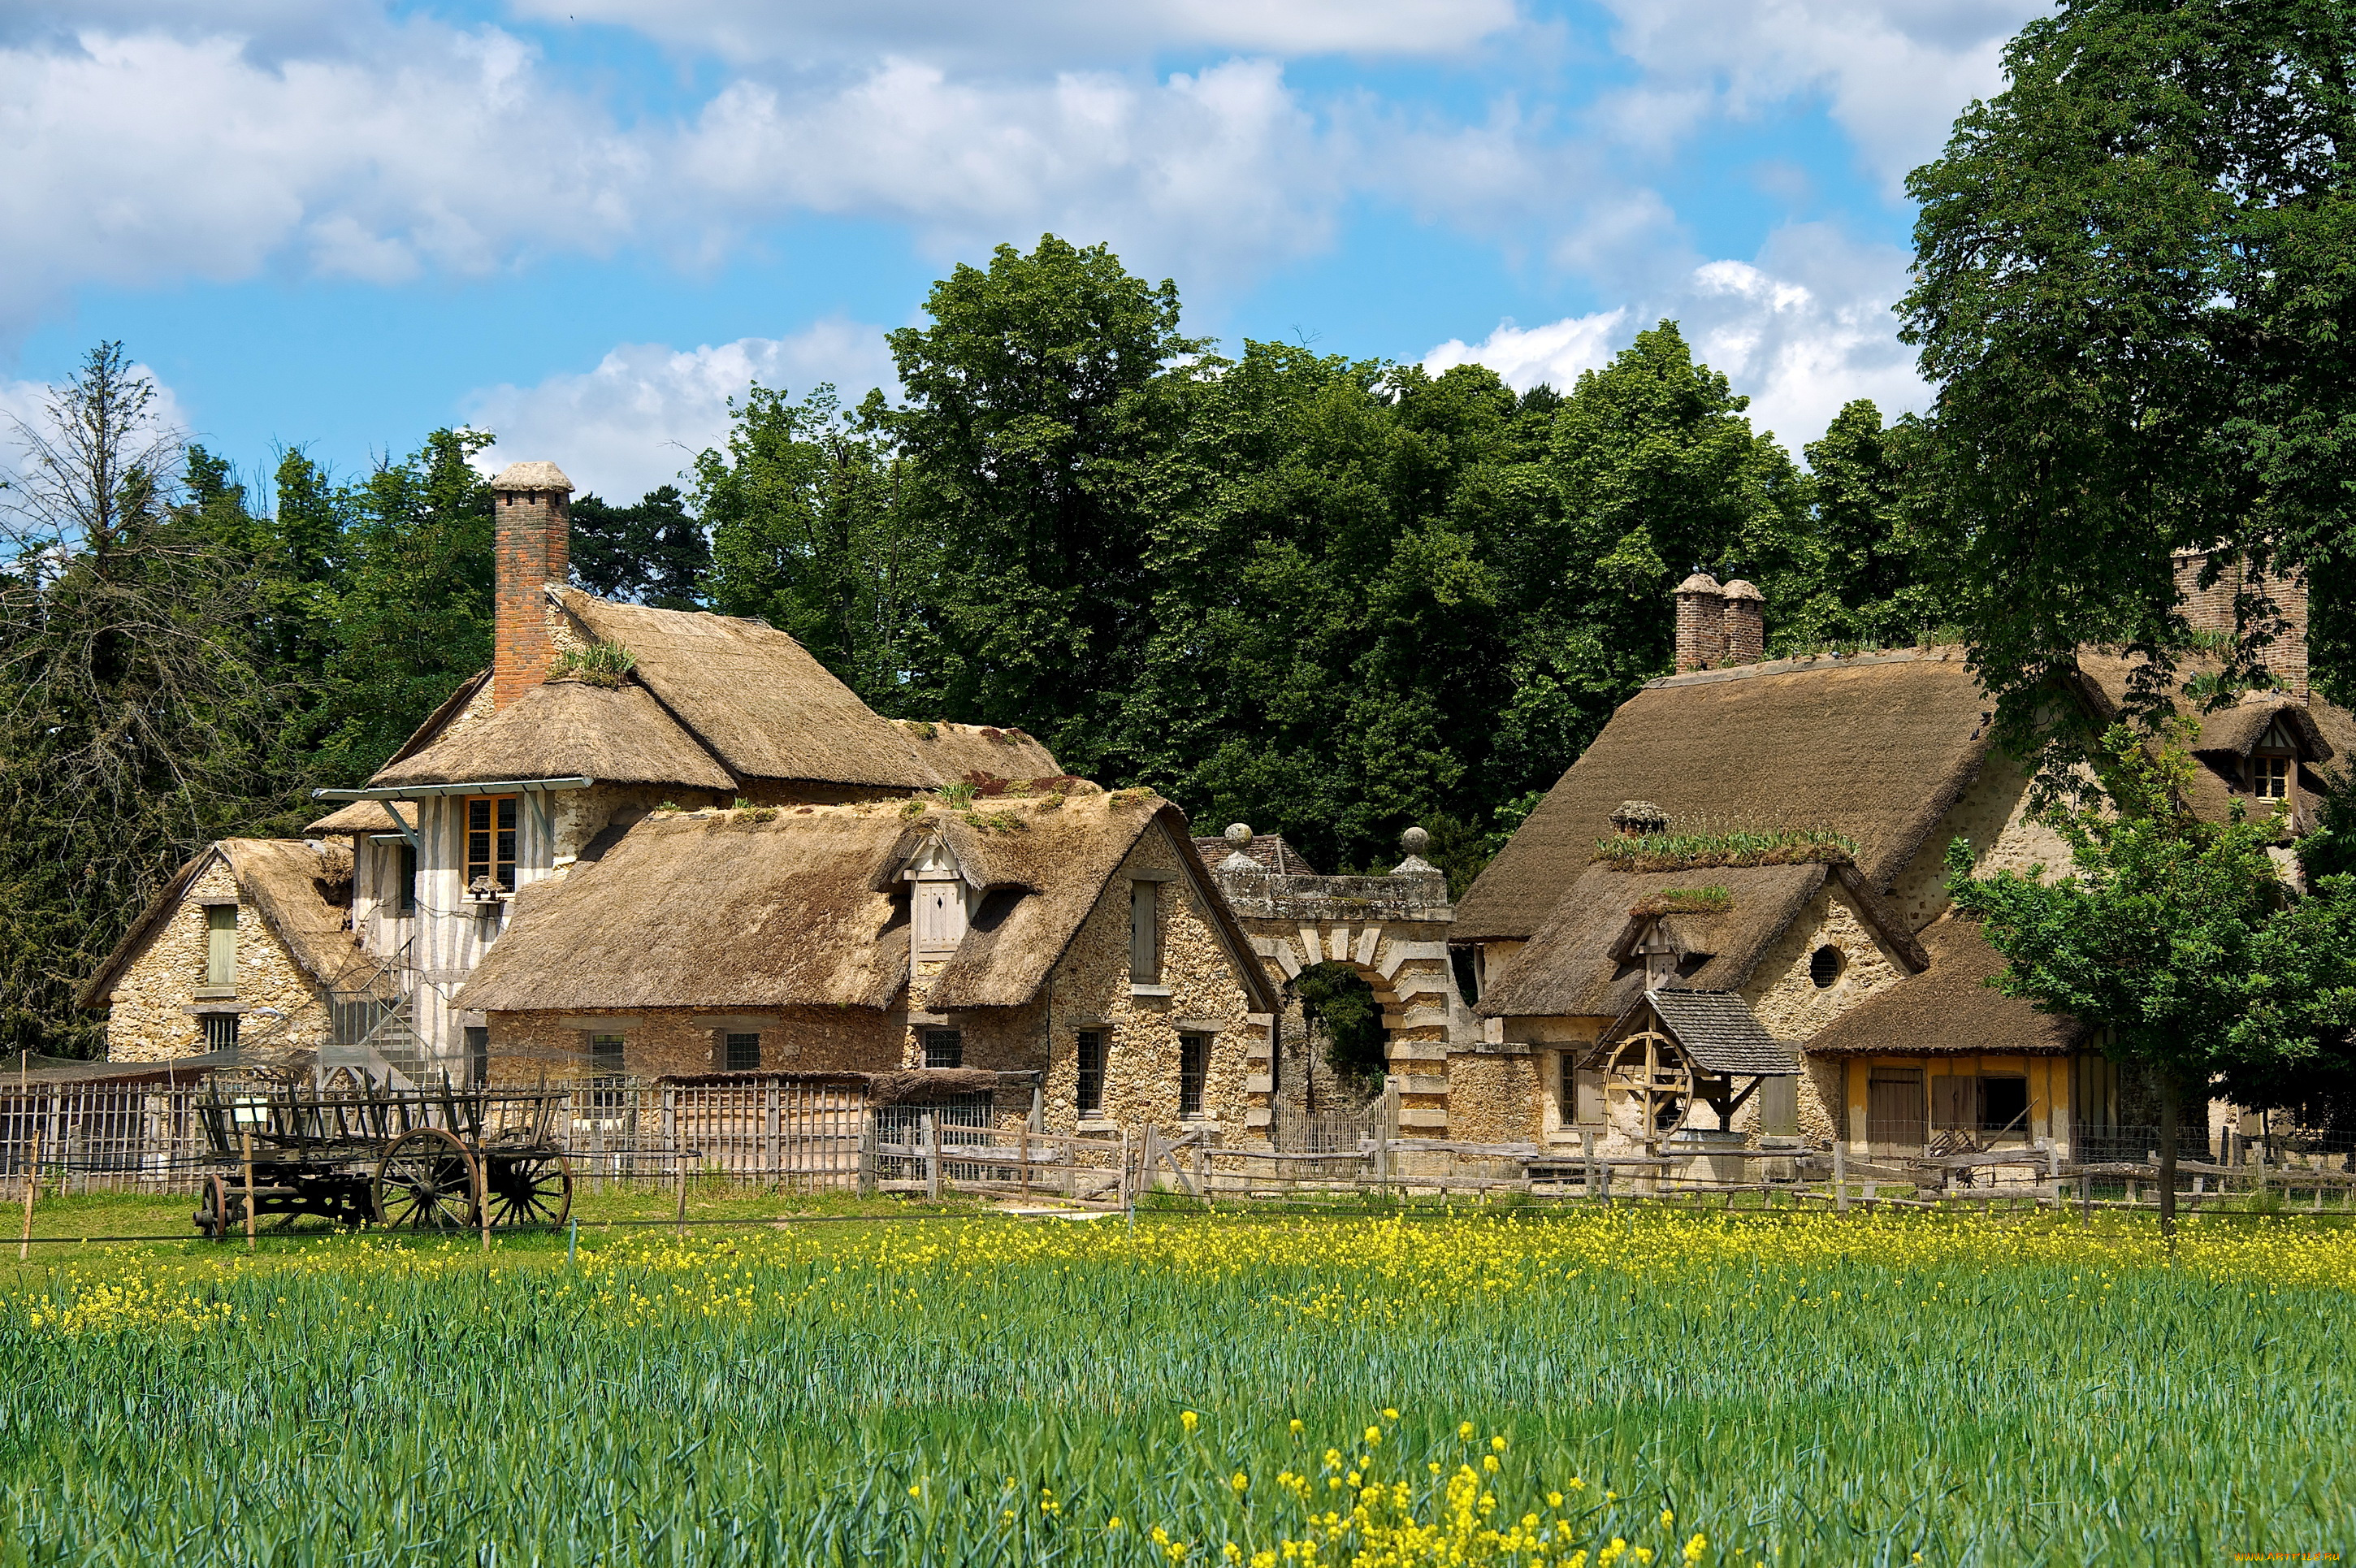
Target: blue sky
<point>584,224</point>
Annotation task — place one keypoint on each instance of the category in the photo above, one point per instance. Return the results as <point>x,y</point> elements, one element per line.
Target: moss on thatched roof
<point>1949,1009</point>
<point>959,752</point>
<point>1876,747</point>
<point>560,729</point>
<point>756,698</point>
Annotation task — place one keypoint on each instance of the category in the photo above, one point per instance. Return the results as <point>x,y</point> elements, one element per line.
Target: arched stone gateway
<point>1392,930</point>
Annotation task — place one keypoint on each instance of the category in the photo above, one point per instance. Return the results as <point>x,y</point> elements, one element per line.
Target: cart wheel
<point>220,1208</point>
<point>427,1181</point>
<point>530,1188</point>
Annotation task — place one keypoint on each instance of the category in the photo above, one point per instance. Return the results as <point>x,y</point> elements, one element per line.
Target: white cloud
<point>1894,73</point>
<point>1802,329</point>
<point>1047,32</point>
<point>639,417</point>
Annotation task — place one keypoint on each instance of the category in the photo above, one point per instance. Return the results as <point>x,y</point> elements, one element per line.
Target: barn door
<point>1893,1109</point>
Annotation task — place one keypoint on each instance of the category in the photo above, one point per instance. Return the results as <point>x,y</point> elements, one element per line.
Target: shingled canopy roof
<point>1718,1030</point>
<point>1875,746</point>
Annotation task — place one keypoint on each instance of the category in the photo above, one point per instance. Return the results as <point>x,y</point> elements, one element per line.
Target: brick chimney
<point>1701,623</point>
<point>2213,609</point>
<point>532,543</point>
<point>1746,623</point>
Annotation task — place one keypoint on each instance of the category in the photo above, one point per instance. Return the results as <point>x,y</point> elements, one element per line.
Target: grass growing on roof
<point>1477,1389</point>
<point>1701,847</point>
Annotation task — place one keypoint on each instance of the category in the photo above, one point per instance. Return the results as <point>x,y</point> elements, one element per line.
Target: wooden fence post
<point>32,1186</point>
<point>679,1179</point>
<point>867,1153</point>
<point>1023,1149</point>
<point>246,1141</point>
<point>1840,1175</point>
<point>930,1151</point>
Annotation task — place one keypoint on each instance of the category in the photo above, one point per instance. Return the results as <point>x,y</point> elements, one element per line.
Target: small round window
<point>1825,966</point>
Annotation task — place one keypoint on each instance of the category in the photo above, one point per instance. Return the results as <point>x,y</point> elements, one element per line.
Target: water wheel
<point>1648,1086</point>
<point>533,1186</point>
<point>427,1181</point>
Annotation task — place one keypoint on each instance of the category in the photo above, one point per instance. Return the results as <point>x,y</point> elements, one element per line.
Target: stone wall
<point>1091,989</point>
<point>664,1041</point>
<point>1993,813</point>
<point>151,1015</point>
<point>1493,1097</point>
<point>1789,1004</point>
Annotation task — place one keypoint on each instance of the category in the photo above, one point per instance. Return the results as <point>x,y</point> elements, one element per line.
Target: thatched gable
<point>1580,963</point>
<point>1949,1009</point>
<point>1875,746</point>
<point>958,752</point>
<point>756,698</point>
<point>561,729</point>
<point>2226,737</point>
<point>1584,962</point>
<point>301,890</point>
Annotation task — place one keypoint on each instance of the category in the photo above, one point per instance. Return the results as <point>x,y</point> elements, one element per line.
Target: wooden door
<point>1893,1109</point>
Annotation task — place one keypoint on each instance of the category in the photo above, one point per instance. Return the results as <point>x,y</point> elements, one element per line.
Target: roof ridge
<point>1941,653</point>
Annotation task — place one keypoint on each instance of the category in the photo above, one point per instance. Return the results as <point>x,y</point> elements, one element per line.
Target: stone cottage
<point>248,942</point>
<point>1842,948</point>
<point>1057,931</point>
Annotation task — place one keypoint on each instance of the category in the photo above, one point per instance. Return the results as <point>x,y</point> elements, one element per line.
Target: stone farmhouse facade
<point>1848,958</point>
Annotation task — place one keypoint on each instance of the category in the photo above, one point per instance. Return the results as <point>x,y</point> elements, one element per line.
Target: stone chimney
<point>2213,609</point>
<point>1701,623</point>
<point>532,544</point>
<point>1746,623</point>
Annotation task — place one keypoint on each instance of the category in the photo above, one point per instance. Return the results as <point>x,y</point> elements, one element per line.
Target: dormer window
<point>937,900</point>
<point>2272,762</point>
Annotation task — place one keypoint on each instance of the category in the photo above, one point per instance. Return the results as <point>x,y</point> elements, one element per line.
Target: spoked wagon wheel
<point>427,1181</point>
<point>1648,1086</point>
<point>220,1208</point>
<point>534,1187</point>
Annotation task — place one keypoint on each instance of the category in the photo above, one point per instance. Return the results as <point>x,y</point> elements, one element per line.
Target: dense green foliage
<point>2175,937</point>
<point>2133,291</point>
<point>1340,1006</point>
<point>1869,1392</point>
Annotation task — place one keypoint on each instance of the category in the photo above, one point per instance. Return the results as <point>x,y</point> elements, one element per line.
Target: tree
<point>2176,939</point>
<point>1033,411</point>
<point>2133,283</point>
<point>808,533</point>
<point>413,620</point>
<point>653,552</point>
<point>136,712</point>
<point>1863,574</point>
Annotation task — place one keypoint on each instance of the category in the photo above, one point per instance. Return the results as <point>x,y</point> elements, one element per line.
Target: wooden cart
<point>423,1159</point>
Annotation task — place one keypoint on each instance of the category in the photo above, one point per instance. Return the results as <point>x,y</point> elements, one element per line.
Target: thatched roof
<point>1716,1029</point>
<point>456,702</point>
<point>1580,963</point>
<point>2226,737</point>
<point>1875,746</point>
<point>302,890</point>
<point>1584,963</point>
<point>756,698</point>
<point>800,908</point>
<point>364,817</point>
<point>1948,1010</point>
<point>560,729</point>
<point>955,752</point>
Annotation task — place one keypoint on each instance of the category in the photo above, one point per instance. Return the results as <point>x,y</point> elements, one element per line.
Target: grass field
<point>972,1390</point>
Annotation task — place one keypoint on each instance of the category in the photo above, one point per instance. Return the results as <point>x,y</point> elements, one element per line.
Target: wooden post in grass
<point>678,1180</point>
<point>930,1150</point>
<point>245,1140</point>
<point>1840,1177</point>
<point>867,1155</point>
<point>483,1200</point>
<point>32,1186</point>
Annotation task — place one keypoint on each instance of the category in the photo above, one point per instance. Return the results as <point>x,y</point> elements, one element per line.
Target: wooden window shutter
<point>1144,933</point>
<point>220,944</point>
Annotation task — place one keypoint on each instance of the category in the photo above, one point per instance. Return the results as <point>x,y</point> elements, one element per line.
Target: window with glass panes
<point>943,1048</point>
<point>1194,1067</point>
<point>491,841</point>
<point>608,1055</point>
<point>1091,1071</point>
<point>2270,775</point>
<point>740,1052</point>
